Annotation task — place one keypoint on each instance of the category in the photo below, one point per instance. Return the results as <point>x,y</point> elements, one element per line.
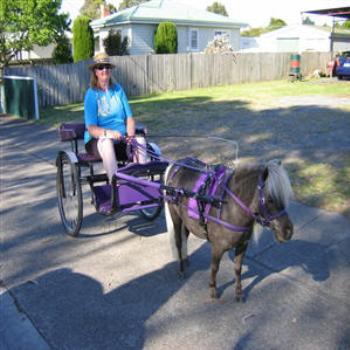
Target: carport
<point>339,41</point>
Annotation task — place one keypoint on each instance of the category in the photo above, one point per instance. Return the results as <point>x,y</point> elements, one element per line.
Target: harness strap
<point>201,205</point>
<point>240,203</point>
<point>204,207</point>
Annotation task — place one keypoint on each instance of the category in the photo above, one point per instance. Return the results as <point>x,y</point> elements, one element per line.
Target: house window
<point>193,40</point>
<point>221,33</point>
<point>97,43</point>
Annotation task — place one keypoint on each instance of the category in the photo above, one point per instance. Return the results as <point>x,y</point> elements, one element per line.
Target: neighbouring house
<point>195,28</point>
<point>298,38</point>
<point>36,53</point>
<point>39,52</point>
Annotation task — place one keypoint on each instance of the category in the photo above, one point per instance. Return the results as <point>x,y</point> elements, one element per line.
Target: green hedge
<point>165,38</point>
<point>83,39</point>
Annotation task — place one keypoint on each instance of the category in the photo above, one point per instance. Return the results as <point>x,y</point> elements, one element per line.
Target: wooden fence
<point>144,75</point>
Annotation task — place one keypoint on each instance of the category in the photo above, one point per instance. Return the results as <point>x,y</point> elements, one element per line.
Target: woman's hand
<point>114,134</point>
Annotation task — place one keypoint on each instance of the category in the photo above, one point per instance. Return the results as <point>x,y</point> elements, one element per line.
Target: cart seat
<point>75,131</point>
<point>88,158</point>
<point>71,131</point>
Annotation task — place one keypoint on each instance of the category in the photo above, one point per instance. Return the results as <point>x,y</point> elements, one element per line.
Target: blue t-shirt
<point>107,109</point>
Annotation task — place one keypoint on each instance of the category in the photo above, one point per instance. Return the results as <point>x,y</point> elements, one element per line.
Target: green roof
<point>156,11</point>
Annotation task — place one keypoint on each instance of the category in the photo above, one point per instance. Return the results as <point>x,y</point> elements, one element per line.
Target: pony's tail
<point>257,231</point>
<point>169,221</point>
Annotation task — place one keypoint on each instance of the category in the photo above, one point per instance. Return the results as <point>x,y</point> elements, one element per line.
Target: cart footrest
<point>128,196</point>
<point>147,169</point>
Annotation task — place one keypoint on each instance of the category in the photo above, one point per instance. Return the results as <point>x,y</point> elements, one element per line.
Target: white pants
<point>106,150</point>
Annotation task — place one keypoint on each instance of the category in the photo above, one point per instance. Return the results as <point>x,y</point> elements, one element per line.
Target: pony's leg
<point>216,256</point>
<point>240,252</point>
<point>174,228</point>
<point>184,237</point>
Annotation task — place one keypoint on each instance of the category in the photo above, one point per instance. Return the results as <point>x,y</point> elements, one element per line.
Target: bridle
<point>263,217</point>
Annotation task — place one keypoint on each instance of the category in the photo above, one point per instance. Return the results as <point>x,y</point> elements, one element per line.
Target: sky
<point>256,13</point>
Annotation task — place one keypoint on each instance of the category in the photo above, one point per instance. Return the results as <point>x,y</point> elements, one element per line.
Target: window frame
<point>223,33</point>
<point>193,30</point>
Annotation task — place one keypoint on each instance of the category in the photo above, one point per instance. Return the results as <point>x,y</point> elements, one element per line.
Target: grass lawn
<point>230,111</point>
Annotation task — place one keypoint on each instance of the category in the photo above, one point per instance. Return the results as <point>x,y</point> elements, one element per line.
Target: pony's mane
<point>278,184</point>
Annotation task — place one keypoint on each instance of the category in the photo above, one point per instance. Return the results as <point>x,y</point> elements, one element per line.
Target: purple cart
<point>135,187</point>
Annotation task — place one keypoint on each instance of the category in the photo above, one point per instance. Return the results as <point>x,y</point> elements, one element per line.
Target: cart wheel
<point>151,213</point>
<point>69,195</point>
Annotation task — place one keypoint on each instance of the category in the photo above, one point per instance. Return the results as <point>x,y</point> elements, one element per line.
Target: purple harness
<point>199,211</point>
<point>206,187</point>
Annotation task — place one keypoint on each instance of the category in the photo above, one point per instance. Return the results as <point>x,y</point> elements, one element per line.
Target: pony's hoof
<point>213,293</point>
<point>239,299</point>
<point>181,275</point>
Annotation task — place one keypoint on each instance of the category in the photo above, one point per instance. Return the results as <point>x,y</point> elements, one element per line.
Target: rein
<point>264,217</point>
<point>156,156</point>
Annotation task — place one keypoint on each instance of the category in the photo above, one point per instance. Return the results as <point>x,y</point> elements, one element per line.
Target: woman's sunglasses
<point>103,66</point>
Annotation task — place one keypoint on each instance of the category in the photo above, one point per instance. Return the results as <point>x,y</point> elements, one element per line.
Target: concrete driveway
<point>116,287</point>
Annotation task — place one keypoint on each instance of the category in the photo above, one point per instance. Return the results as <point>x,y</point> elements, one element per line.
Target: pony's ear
<point>277,161</point>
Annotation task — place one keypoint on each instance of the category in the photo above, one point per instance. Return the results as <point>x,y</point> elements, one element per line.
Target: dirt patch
<point>325,101</point>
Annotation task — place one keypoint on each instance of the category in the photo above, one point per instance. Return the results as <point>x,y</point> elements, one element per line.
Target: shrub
<point>220,44</point>
<point>114,44</point>
<point>83,39</point>
<point>165,38</point>
<point>62,53</point>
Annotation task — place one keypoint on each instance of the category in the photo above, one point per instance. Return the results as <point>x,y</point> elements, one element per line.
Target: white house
<point>195,28</point>
<point>36,52</point>
<point>298,38</point>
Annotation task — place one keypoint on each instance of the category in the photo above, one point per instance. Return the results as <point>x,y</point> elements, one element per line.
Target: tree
<point>346,24</point>
<point>24,23</point>
<point>114,44</point>
<point>276,23</point>
<point>308,21</point>
<point>253,32</point>
<point>83,39</point>
<point>218,8</point>
<point>62,53</point>
<point>92,8</point>
<point>130,3</point>
<point>165,38</point>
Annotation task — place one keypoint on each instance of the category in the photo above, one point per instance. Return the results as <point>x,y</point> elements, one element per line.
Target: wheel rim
<point>151,213</point>
<point>69,197</point>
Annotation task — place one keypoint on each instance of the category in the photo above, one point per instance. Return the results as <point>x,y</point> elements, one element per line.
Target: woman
<point>108,116</point>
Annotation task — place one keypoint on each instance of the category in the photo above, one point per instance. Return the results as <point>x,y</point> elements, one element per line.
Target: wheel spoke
<point>69,195</point>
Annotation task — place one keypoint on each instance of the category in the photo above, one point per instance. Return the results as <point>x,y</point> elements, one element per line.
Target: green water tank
<point>295,64</point>
<point>21,96</point>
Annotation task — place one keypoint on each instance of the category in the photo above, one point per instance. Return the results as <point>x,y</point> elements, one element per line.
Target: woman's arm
<point>97,131</point>
<point>130,126</point>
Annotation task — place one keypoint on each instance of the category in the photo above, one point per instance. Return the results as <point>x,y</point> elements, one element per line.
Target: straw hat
<point>101,58</point>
